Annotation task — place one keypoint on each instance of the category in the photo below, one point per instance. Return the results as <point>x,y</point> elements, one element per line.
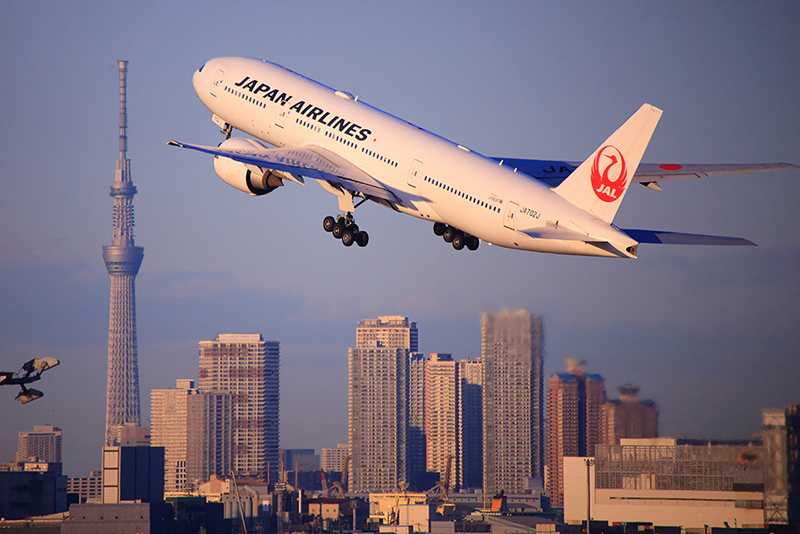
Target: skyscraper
<point>441,416</point>
<point>168,428</point>
<point>628,417</point>
<point>470,424</point>
<point>196,430</point>
<point>43,444</point>
<point>378,403</point>
<point>512,350</point>
<point>248,367</point>
<point>416,442</point>
<point>210,436</point>
<point>122,260</point>
<point>574,415</point>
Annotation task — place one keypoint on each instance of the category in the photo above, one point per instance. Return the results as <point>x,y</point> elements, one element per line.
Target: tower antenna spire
<point>122,260</point>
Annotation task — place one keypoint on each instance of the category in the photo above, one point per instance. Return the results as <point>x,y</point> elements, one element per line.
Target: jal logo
<point>609,174</point>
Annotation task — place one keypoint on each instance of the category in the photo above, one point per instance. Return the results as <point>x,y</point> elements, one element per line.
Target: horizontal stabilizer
<point>560,233</point>
<point>677,238</point>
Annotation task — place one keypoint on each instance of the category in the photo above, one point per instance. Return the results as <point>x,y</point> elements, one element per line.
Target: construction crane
<point>326,491</point>
<point>442,488</point>
<point>340,488</point>
<point>239,501</point>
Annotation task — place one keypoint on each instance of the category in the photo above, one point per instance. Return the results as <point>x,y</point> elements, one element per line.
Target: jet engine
<point>251,179</point>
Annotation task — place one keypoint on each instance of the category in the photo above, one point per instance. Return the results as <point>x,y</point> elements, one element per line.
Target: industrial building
<point>668,482</point>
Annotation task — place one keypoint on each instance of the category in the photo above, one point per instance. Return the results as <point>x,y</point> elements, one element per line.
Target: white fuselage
<point>433,178</point>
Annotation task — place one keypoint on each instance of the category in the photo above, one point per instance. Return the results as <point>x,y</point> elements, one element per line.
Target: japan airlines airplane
<point>359,153</point>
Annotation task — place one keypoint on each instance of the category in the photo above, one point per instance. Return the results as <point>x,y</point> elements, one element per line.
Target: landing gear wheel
<point>438,228</point>
<point>473,242</point>
<point>338,230</point>
<point>449,233</point>
<point>362,238</point>
<point>458,241</point>
<point>327,223</point>
<point>347,238</point>
<point>353,228</point>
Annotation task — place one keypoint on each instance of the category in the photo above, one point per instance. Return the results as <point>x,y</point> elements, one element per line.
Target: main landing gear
<point>344,227</point>
<point>455,236</point>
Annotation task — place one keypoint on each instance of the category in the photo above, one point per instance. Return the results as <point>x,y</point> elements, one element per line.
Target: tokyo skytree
<point>122,260</point>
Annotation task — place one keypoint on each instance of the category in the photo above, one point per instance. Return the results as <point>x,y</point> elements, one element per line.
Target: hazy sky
<point>710,333</point>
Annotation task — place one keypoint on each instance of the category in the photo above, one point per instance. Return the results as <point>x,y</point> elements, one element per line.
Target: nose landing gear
<point>344,227</point>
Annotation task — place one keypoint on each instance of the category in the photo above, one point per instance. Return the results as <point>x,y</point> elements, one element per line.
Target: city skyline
<point>710,333</point>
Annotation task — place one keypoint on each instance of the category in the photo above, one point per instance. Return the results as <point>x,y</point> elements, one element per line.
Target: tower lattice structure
<point>122,260</point>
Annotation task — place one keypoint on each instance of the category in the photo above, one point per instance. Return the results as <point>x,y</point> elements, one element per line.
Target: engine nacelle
<point>248,178</point>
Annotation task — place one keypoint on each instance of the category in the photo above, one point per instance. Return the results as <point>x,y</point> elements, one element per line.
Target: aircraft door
<point>413,172</point>
<point>511,213</point>
<point>217,80</point>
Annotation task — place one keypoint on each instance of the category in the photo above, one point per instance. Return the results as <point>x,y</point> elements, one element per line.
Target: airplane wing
<point>311,161</point>
<point>553,172</point>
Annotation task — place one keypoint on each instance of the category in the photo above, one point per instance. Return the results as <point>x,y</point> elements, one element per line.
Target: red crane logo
<point>609,174</point>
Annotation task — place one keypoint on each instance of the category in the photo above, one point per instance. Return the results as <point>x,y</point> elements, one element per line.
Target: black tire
<point>337,230</point>
<point>327,223</point>
<point>362,238</point>
<point>449,233</point>
<point>459,241</point>
<point>438,228</point>
<point>353,228</point>
<point>347,238</point>
<point>473,242</point>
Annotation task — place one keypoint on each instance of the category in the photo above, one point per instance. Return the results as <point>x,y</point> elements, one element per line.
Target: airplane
<point>303,129</point>
<point>31,372</point>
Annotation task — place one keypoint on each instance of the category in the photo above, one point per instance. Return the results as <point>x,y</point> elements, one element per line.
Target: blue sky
<point>709,333</point>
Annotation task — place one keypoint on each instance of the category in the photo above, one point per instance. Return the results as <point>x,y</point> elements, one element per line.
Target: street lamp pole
<point>589,463</point>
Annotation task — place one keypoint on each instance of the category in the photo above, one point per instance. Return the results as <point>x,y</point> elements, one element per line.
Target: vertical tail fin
<point>599,184</point>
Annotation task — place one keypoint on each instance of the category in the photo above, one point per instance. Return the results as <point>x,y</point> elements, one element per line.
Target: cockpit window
<point>201,68</point>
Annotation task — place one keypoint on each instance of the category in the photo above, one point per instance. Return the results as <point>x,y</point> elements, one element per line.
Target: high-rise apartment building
<point>441,416</point>
<point>168,428</point>
<point>378,403</point>
<point>512,350</point>
<point>628,417</point>
<point>210,436</point>
<point>43,444</point>
<point>470,424</point>
<point>574,415</point>
<point>417,455</point>
<point>388,331</point>
<point>196,430</point>
<point>332,459</point>
<point>248,367</point>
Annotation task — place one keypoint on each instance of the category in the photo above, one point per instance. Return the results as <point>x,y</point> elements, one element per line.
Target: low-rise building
<point>667,482</point>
